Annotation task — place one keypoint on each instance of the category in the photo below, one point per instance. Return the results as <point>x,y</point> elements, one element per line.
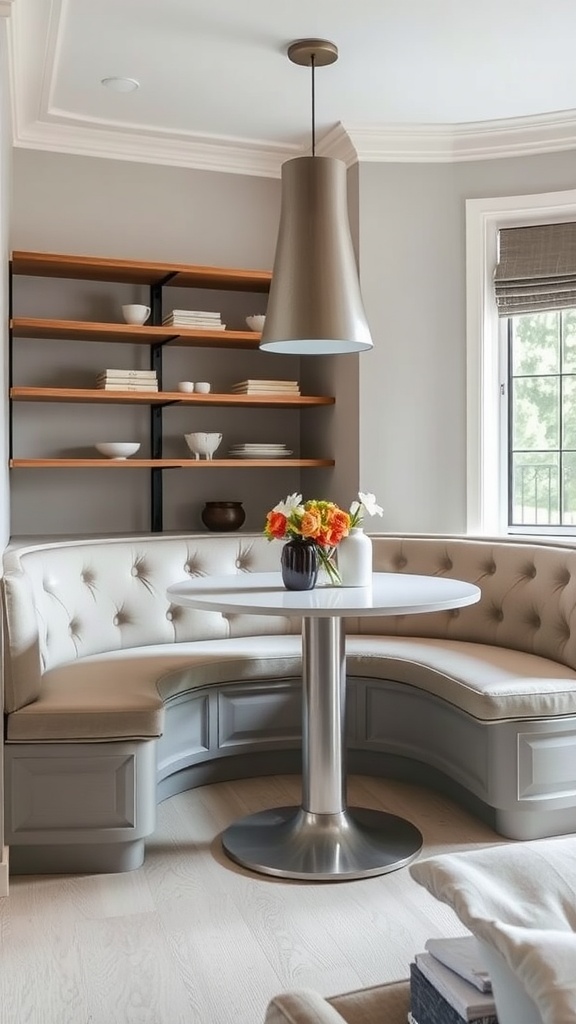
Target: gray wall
<point>412,391</point>
<point>5,196</point>
<point>398,427</point>
<point>117,209</point>
<point>5,169</point>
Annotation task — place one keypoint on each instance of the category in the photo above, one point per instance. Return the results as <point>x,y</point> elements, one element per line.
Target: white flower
<point>369,502</point>
<point>290,503</point>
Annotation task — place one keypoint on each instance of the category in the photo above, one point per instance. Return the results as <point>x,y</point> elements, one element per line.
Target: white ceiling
<point>416,79</point>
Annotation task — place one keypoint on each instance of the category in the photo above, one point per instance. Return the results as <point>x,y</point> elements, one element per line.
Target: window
<point>541,409</point>
<point>521,408</point>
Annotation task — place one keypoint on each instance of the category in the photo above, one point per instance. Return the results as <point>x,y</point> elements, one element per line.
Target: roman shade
<point>536,268</point>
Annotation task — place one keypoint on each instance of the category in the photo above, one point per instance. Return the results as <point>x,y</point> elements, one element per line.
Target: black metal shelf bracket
<point>156,479</point>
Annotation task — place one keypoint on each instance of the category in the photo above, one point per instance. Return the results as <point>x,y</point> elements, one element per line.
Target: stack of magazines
<point>449,984</point>
<point>202,319</point>
<point>127,380</point>
<point>259,387</point>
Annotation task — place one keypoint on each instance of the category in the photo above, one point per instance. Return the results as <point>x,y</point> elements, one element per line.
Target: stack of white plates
<point>259,450</point>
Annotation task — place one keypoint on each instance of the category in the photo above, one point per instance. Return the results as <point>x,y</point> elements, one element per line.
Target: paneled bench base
<point>88,807</point>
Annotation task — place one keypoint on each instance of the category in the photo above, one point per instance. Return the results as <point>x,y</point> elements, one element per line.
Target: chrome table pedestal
<point>322,840</point>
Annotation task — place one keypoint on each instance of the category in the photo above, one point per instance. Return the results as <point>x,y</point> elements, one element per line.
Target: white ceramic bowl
<point>117,449</point>
<point>256,323</point>
<point>203,444</point>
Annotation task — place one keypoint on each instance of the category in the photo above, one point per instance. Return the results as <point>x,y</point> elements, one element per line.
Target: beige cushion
<point>490,683</point>
<point>528,590</point>
<point>520,899</point>
<point>74,599</point>
<point>122,694</point>
<point>382,1004</point>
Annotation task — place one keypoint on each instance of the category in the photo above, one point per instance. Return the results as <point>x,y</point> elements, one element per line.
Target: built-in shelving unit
<point>156,276</point>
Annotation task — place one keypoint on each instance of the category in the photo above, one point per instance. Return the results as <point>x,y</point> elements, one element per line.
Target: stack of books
<point>199,318</point>
<point>450,984</point>
<point>259,387</point>
<point>127,380</point>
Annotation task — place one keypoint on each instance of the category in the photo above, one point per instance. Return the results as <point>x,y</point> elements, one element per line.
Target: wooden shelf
<point>179,275</point>
<point>82,330</point>
<point>169,463</point>
<point>156,276</point>
<point>278,401</point>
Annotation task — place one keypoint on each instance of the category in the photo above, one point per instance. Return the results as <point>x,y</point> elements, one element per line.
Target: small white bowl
<point>203,444</point>
<point>203,387</point>
<point>256,323</point>
<point>117,449</point>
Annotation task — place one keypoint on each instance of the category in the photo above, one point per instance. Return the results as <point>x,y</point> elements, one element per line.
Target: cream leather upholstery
<point>69,601</point>
<point>123,695</point>
<point>484,696</point>
<point>382,1004</point>
<point>528,589</point>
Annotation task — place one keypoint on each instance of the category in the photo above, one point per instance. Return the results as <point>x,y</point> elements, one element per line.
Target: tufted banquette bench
<point>115,699</point>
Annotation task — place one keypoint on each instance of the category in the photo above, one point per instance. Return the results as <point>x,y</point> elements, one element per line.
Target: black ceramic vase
<point>220,516</point>
<point>299,563</point>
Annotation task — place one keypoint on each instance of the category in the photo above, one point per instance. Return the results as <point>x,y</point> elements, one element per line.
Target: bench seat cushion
<point>121,695</point>
<point>489,683</point>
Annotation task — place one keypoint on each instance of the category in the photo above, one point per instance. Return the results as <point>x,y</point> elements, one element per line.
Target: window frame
<point>486,416</point>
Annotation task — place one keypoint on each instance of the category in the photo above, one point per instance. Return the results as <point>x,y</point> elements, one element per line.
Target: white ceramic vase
<point>355,559</point>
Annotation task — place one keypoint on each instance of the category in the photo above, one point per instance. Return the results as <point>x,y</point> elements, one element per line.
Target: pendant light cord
<point>313,66</point>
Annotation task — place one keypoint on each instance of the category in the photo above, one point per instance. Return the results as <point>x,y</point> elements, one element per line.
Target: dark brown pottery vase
<point>220,516</point>
<point>299,563</point>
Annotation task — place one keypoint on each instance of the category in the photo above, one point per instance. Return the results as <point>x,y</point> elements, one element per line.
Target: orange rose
<point>311,523</point>
<point>336,528</point>
<point>275,525</point>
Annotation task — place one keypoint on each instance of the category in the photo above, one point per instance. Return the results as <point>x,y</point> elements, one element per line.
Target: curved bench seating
<point>116,699</point>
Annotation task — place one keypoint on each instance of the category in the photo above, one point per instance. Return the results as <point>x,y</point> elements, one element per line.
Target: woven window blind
<point>536,269</point>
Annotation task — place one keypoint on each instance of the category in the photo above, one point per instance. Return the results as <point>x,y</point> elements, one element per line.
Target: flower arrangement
<point>322,522</point>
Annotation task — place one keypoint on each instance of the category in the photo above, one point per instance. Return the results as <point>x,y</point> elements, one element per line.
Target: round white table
<point>323,839</point>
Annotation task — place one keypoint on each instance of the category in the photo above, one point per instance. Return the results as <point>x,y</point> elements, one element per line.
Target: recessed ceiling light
<point>121,84</point>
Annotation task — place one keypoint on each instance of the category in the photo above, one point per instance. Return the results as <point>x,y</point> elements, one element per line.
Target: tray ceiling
<point>416,79</point>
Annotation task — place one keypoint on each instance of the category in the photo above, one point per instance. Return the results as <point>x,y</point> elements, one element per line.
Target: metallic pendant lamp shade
<point>315,306</point>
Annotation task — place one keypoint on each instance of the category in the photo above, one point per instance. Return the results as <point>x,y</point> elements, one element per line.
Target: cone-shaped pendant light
<point>315,306</point>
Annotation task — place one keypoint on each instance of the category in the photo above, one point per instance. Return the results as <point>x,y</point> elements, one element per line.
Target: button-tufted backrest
<point>67,600</point>
<point>528,600</point>
<point>64,601</point>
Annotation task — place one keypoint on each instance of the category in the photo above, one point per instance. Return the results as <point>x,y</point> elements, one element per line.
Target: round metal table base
<point>293,843</point>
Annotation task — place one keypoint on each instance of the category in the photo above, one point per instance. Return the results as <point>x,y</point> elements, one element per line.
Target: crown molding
<point>172,149</point>
<point>39,124</point>
<point>444,143</point>
<point>337,143</point>
<point>437,143</point>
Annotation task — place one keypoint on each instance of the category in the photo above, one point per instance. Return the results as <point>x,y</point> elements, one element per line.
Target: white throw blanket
<point>520,899</point>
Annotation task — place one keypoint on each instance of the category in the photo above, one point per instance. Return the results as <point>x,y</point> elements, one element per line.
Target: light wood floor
<point>191,938</point>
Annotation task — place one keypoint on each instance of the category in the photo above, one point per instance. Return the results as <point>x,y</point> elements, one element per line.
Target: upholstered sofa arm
<point>304,1007</point>
<point>381,1004</point>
